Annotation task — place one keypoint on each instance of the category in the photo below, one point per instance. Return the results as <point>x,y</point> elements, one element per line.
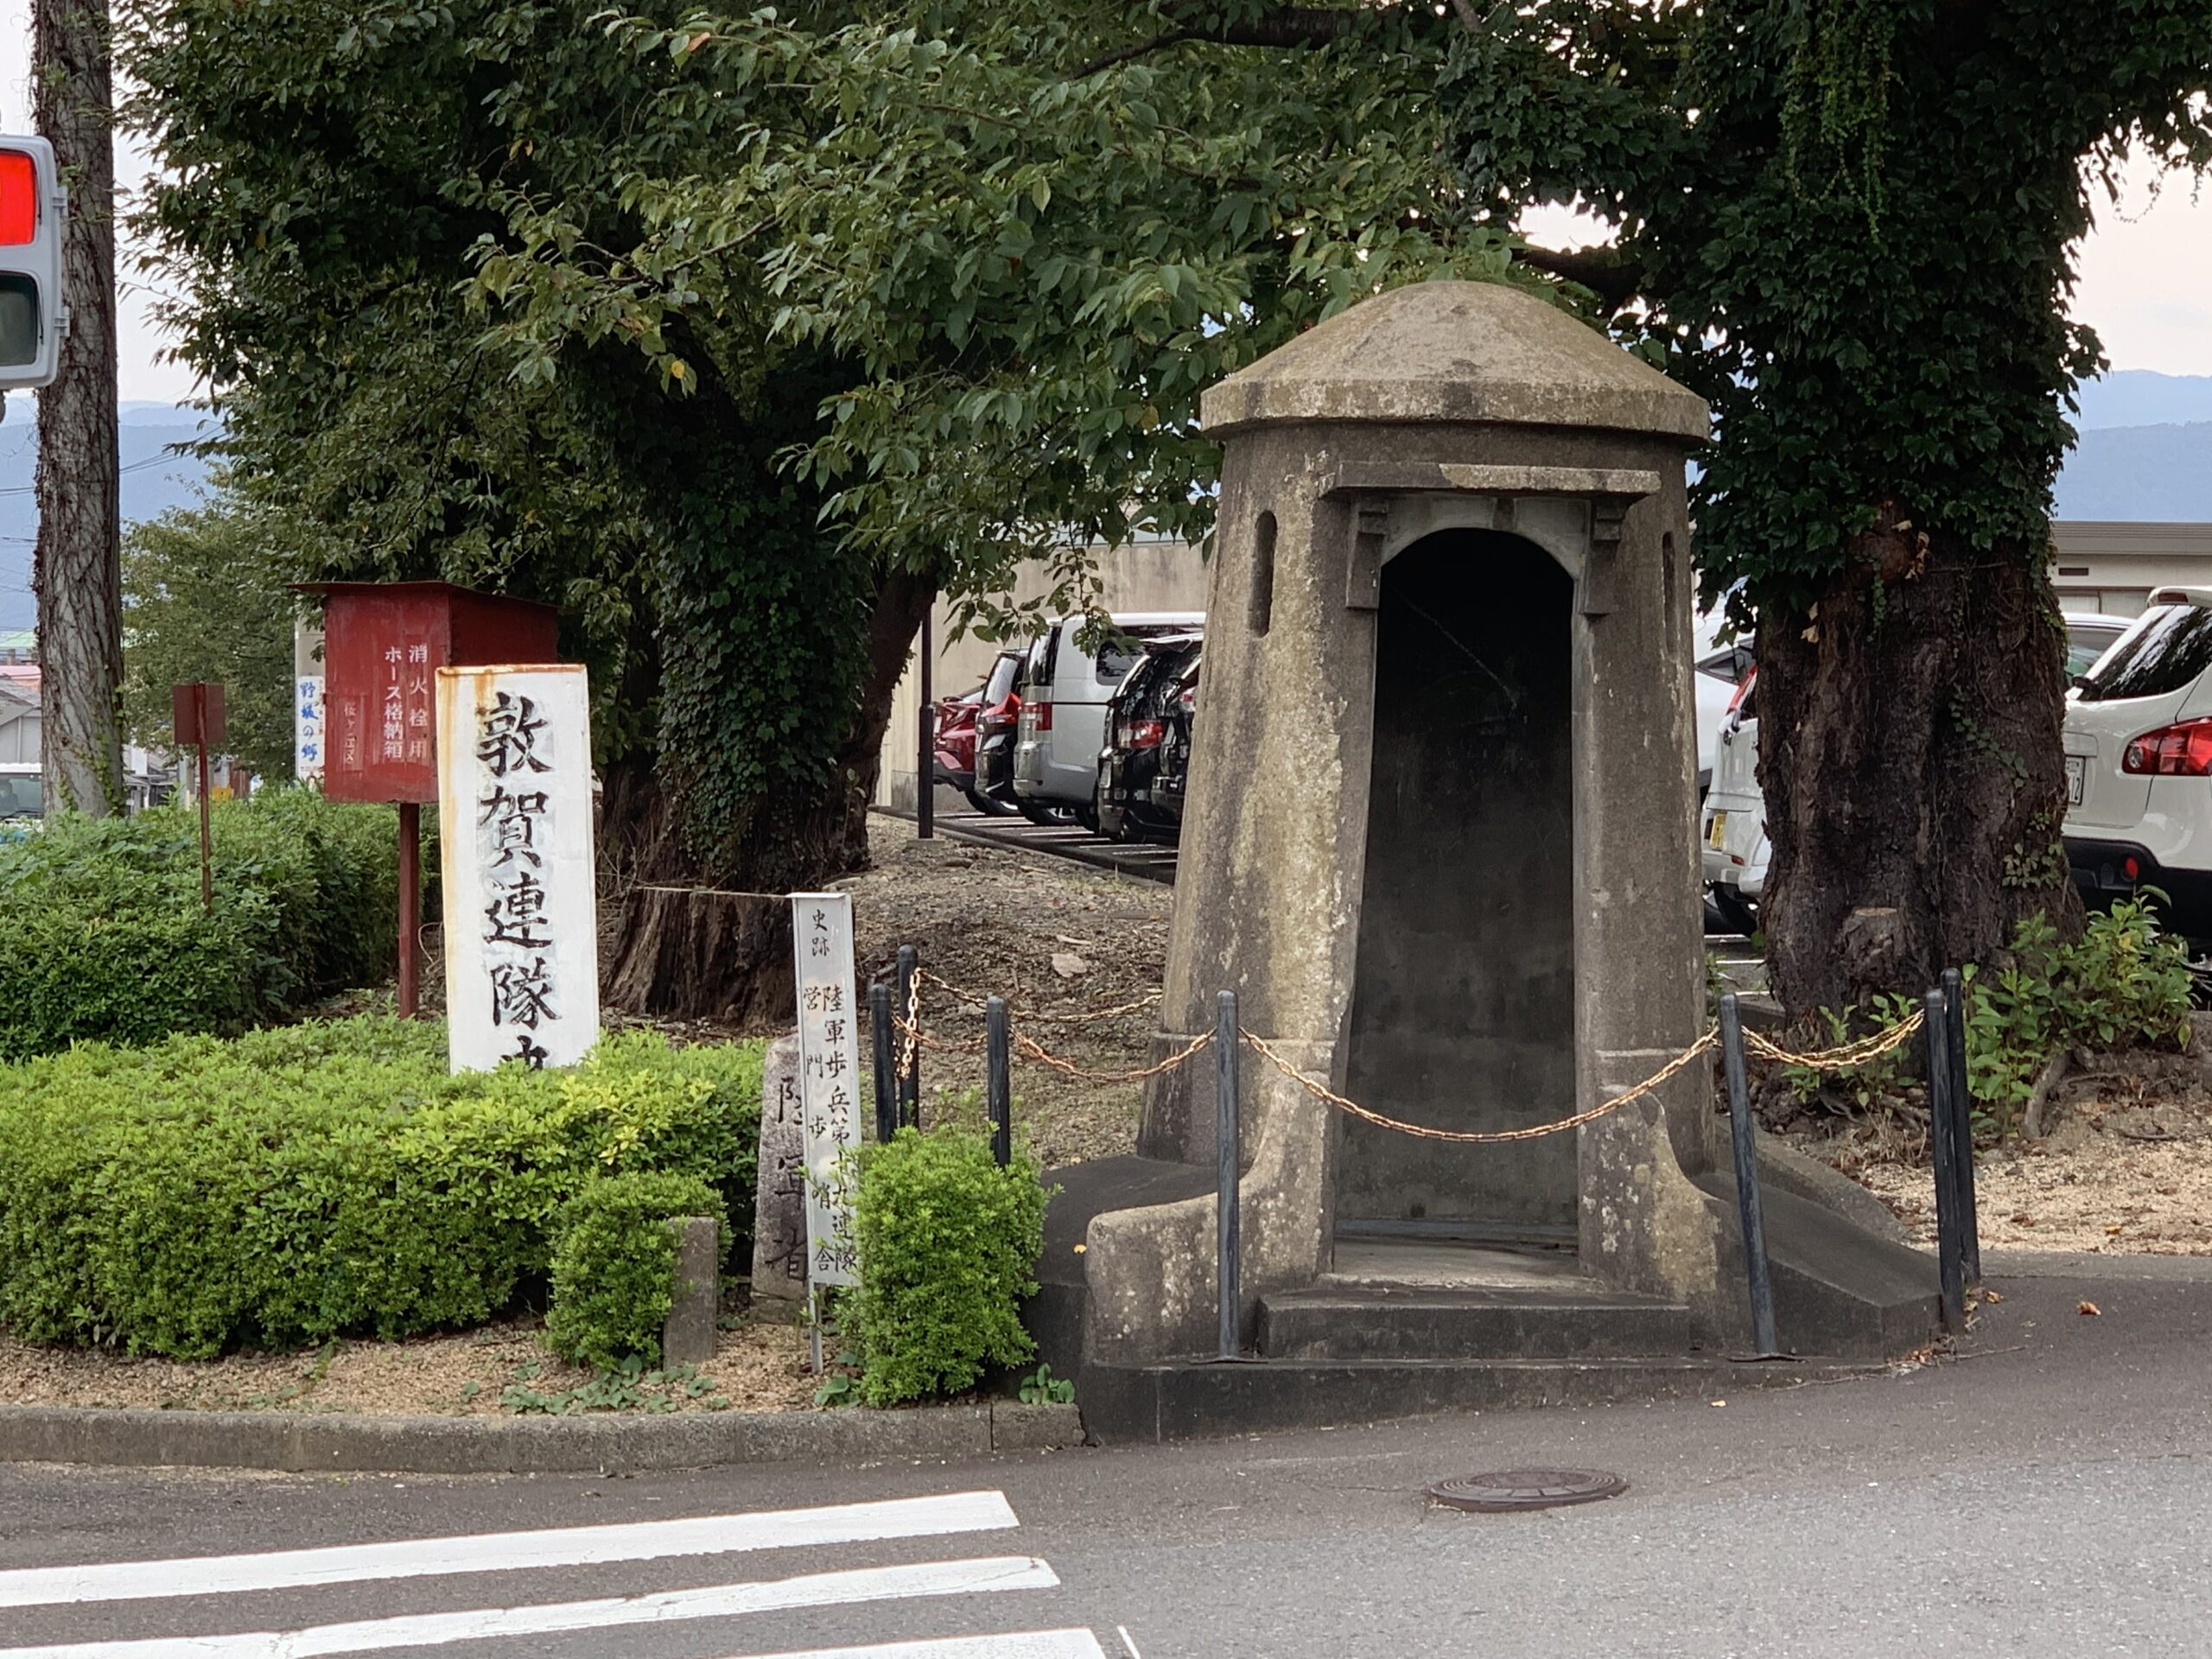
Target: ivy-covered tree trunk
<point>707,933</point>
<point>1851,225</point>
<point>1909,754</point>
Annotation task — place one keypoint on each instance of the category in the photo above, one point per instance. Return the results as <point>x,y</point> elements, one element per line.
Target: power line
<point>134,467</point>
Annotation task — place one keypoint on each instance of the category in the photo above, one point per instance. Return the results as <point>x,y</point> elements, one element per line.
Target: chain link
<point>910,1027</point>
<point>1036,1050</point>
<point>1477,1137</point>
<point>973,1002</point>
<point>1844,1057</point>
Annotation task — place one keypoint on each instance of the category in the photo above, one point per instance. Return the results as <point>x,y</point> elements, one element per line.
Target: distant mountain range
<point>2141,398</point>
<point>2145,454</point>
<point>155,477</point>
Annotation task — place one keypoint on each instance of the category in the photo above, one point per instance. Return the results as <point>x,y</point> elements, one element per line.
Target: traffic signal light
<point>32,316</point>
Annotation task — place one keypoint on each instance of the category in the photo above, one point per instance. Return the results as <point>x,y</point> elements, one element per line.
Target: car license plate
<point>2077,779</point>
<point>1714,831</point>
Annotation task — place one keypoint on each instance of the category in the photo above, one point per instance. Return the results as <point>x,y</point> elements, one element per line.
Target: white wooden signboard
<point>829,1078</point>
<point>306,728</point>
<point>515,838</point>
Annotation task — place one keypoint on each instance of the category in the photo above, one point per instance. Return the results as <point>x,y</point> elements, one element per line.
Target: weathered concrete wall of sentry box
<point>1440,830</point>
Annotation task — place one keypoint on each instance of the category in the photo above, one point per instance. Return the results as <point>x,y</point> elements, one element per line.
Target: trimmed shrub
<point>329,1178</point>
<point>615,1266</point>
<point>949,1243</point>
<point>102,937</point>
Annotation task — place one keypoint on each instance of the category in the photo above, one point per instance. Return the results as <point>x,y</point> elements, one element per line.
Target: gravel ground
<point>496,1372</point>
<point>2125,1167</point>
<point>1060,941</point>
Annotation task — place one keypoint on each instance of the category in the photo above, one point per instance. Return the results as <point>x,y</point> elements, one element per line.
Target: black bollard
<point>1942,1136</point>
<point>1955,1009</point>
<point>910,1077</point>
<point>886,1083</point>
<point>997,1079</point>
<point>1227,1267</point>
<point>1755,1268</point>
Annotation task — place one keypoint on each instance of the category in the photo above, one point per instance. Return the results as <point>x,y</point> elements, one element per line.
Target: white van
<point>1064,698</point>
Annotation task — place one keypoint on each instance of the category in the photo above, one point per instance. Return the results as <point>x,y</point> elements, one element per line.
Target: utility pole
<point>77,574</point>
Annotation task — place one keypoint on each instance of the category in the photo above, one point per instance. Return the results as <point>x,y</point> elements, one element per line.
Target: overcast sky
<point>2143,287</point>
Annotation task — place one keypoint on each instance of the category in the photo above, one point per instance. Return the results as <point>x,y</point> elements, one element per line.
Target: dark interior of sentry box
<point>1463,1003</point>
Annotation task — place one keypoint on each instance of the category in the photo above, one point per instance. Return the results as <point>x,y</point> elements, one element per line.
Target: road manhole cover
<point>1527,1489</point>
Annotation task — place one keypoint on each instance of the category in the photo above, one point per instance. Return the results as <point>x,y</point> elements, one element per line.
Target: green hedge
<point>102,937</point>
<point>949,1243</point>
<point>329,1178</point>
<point>614,1265</point>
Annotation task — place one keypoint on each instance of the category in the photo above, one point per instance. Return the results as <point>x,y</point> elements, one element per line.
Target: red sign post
<point>196,718</point>
<point>383,643</point>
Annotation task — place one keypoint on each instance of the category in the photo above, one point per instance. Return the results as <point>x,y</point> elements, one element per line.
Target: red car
<point>954,744</point>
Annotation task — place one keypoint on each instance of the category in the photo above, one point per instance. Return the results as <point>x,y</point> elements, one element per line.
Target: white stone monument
<point>515,836</point>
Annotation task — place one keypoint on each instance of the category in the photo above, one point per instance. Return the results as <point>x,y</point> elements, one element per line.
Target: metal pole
<point>1227,1275</point>
<point>1755,1268</point>
<point>886,1085</point>
<point>410,905</point>
<point>1954,1008</point>
<point>997,1079</point>
<point>910,1080</point>
<point>206,844</point>
<point>925,766</point>
<point>1936,1027</point>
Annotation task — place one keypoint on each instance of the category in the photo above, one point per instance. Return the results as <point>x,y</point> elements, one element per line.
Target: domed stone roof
<point>1454,351</point>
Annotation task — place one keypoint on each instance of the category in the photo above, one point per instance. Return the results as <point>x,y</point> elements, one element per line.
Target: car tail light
<point>1040,717</point>
<point>2182,750</point>
<point>1742,687</point>
<point>1143,733</point>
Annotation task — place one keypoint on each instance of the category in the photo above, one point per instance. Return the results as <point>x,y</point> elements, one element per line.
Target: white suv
<point>1734,827</point>
<point>1733,837</point>
<point>1065,695</point>
<point>2139,764</point>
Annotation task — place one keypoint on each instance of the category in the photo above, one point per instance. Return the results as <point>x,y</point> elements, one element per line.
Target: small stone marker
<point>687,1336</point>
<point>779,1197</point>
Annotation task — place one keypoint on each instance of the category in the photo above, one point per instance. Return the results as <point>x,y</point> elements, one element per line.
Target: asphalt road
<point>2041,1496</point>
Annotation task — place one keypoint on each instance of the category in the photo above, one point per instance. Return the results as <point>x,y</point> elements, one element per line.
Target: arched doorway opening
<point>1463,1011</point>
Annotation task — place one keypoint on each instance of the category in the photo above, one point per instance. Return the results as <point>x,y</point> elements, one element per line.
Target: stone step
<point>1365,1322</point>
<point>1193,1399</point>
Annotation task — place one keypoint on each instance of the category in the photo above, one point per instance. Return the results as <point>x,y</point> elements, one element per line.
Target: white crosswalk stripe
<point>1022,1644</point>
<point>706,1534</point>
<point>307,1572</point>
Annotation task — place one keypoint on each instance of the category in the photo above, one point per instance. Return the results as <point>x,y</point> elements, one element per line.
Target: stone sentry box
<point>1440,835</point>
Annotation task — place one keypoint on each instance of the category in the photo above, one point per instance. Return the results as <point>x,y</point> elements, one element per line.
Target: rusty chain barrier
<point>913,1038</point>
<point>1477,1137</point>
<point>1940,1019</point>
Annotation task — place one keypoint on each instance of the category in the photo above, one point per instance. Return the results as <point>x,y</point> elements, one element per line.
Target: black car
<point>998,713</point>
<point>1147,757</point>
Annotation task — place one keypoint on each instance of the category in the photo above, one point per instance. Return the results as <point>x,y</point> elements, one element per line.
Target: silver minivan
<point>1064,698</point>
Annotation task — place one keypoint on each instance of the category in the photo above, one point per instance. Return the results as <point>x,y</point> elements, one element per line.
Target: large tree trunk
<point>1910,753</point>
<point>708,934</point>
<point>76,573</point>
